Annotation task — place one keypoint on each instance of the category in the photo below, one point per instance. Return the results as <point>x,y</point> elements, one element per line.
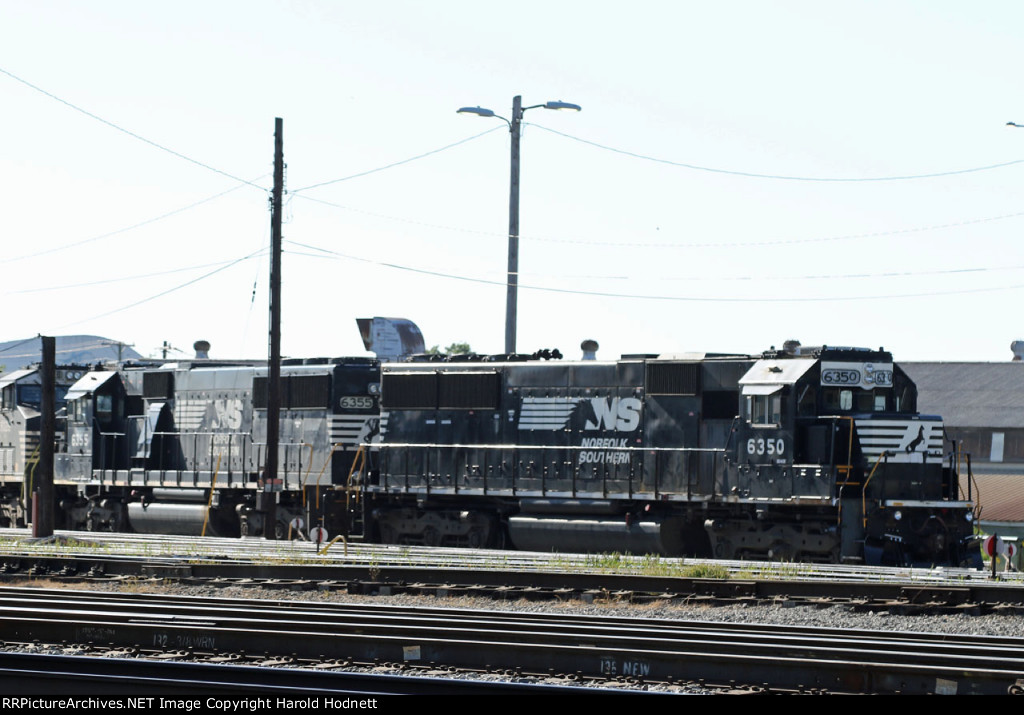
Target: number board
<point>866,375</point>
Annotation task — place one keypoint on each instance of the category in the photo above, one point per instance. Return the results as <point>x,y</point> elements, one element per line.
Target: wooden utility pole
<point>42,517</point>
<point>270,478</point>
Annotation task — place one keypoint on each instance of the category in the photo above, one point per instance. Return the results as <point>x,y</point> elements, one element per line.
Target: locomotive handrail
<point>848,467</point>
<point>330,456</point>
<point>209,501</point>
<point>611,477</point>
<point>864,490</point>
<point>238,444</point>
<point>970,479</point>
<point>363,462</point>
<point>26,489</point>
<point>103,448</point>
<point>395,445</point>
<point>309,468</point>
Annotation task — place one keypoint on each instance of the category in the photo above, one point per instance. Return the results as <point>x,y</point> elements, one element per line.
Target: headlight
<point>969,516</point>
<point>897,515</point>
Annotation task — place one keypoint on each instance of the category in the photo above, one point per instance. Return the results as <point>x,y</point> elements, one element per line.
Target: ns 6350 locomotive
<point>807,454</point>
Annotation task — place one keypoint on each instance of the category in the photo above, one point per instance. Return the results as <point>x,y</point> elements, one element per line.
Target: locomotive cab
<point>839,427</point>
<point>96,423</point>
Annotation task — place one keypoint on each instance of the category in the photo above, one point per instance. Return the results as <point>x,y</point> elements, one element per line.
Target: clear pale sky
<point>737,176</point>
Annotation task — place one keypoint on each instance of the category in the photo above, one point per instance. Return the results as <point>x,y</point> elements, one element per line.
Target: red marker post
<point>996,547</point>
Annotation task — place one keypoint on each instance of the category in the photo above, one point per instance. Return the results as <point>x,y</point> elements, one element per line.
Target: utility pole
<point>270,479</point>
<point>120,347</point>
<point>511,296</point>
<point>42,506</point>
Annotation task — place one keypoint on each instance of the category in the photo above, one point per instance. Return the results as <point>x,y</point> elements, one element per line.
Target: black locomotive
<point>810,455</point>
<point>800,454</point>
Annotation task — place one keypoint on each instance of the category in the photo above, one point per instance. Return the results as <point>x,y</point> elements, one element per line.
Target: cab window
<point>764,409</point>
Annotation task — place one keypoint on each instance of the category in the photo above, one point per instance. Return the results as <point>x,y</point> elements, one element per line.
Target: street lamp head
<point>480,111</point>
<point>563,106</point>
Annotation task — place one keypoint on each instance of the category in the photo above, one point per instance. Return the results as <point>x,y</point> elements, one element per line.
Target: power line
<point>674,245</point>
<point>166,292</point>
<point>764,278</point>
<point>397,163</point>
<point>19,344</point>
<point>62,351</point>
<point>125,229</point>
<point>122,278</point>
<point>636,296</point>
<point>782,177</point>
<point>132,134</point>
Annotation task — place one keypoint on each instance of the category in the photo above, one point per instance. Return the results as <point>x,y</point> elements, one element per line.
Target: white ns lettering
<point>617,413</point>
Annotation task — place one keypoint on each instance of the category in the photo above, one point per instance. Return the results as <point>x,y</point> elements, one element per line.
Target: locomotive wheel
<point>781,551</point>
<point>431,536</point>
<point>724,549</point>
<point>387,535</point>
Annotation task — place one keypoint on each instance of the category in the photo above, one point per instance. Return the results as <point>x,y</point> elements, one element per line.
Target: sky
<point>741,173</point>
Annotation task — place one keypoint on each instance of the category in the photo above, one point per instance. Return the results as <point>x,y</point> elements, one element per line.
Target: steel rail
<point>199,550</point>
<point>842,661</point>
<point>34,673</point>
<point>357,578</point>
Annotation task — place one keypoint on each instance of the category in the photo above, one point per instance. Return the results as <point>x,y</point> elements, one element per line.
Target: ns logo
<point>621,414</point>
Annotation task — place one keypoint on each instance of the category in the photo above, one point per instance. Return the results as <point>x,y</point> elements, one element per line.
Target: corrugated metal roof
<point>970,394</point>
<point>1001,496</point>
<point>8,377</point>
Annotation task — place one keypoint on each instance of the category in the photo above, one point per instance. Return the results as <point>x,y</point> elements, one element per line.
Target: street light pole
<point>512,291</point>
<point>512,281</point>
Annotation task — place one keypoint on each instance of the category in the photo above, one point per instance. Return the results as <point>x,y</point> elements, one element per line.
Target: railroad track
<point>29,674</point>
<point>541,645</point>
<point>505,575</point>
<point>259,551</point>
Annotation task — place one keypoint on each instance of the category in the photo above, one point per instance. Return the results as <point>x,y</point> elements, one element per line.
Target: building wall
<point>979,442</point>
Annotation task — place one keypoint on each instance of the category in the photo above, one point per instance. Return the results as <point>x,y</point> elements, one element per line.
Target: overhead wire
<point>321,252</point>
<point>671,244</point>
<point>130,133</point>
<point>18,344</point>
<point>782,177</point>
<point>397,163</point>
<point>165,292</point>
<point>527,237</point>
<point>122,279</point>
<point>58,351</point>
<point>125,229</point>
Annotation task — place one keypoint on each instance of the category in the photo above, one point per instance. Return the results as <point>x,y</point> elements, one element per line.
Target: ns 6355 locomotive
<point>807,454</point>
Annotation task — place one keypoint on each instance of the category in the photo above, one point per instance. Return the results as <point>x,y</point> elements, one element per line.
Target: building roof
<point>69,349</point>
<point>970,394</point>
<point>1001,496</point>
